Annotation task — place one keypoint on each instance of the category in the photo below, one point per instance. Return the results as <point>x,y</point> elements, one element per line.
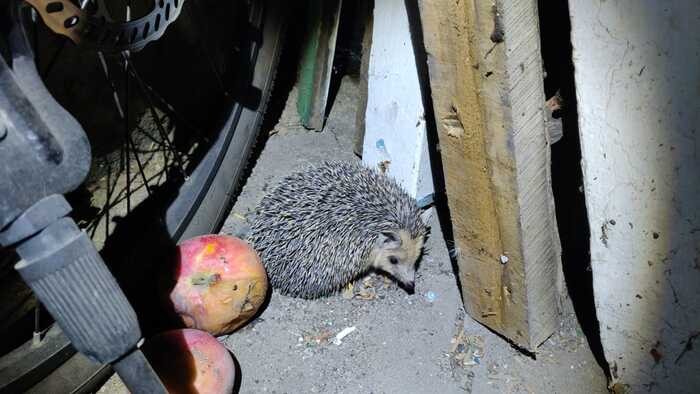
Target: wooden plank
<point>486,83</point>
<point>638,93</point>
<point>395,139</point>
<point>317,61</point>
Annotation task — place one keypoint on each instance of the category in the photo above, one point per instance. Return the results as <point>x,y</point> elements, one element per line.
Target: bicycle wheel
<point>172,127</point>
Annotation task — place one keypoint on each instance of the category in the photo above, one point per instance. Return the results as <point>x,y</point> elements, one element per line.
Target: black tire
<point>200,206</point>
<point>207,207</point>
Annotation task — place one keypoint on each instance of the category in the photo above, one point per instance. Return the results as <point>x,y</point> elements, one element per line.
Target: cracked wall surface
<point>638,92</point>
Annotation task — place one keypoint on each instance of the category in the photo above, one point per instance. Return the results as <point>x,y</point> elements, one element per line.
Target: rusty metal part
<point>98,31</point>
<point>61,16</point>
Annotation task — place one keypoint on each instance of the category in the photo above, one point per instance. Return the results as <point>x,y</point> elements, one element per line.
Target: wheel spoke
<point>170,109</point>
<point>127,136</point>
<point>150,137</point>
<point>115,95</point>
<point>159,125</point>
<point>124,168</point>
<point>109,195</point>
<point>139,165</point>
<point>119,198</point>
<point>35,35</point>
<point>129,145</point>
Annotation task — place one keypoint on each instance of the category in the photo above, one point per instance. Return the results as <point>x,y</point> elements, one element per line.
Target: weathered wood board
<point>637,70</point>
<point>317,61</point>
<point>486,83</point>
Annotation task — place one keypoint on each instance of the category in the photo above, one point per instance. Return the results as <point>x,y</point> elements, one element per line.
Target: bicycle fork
<point>62,267</point>
<point>44,153</point>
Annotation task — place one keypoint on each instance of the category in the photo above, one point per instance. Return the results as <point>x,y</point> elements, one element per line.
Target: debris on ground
<point>238,216</point>
<point>569,337</point>
<point>348,291</point>
<point>366,289</point>
<point>311,339</point>
<point>466,350</point>
<point>339,337</point>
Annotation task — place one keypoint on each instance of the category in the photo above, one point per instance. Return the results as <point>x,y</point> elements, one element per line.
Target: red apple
<point>191,361</point>
<point>219,283</point>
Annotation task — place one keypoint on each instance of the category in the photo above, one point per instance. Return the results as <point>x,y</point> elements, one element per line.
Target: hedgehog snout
<point>410,287</point>
<point>405,274</point>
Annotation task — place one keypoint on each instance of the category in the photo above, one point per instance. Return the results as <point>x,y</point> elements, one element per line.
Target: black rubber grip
<point>68,276</point>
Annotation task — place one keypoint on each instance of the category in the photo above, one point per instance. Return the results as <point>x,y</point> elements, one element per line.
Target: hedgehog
<point>327,225</point>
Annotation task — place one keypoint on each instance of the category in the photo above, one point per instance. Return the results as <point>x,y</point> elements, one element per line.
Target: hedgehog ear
<point>389,239</point>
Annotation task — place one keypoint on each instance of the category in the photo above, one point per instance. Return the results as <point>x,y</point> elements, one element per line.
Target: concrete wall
<point>638,89</point>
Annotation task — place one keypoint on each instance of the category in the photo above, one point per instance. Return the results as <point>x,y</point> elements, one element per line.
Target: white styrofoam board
<point>395,128</point>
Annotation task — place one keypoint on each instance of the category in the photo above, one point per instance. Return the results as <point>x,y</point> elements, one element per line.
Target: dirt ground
<point>399,343</point>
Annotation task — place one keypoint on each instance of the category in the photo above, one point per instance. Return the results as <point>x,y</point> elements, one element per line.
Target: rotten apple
<point>191,361</point>
<point>219,283</point>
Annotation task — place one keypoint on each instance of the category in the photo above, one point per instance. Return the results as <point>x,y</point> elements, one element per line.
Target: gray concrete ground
<point>420,343</point>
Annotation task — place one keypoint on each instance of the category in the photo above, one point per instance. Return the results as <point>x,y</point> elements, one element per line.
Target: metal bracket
<point>49,151</point>
<point>94,28</point>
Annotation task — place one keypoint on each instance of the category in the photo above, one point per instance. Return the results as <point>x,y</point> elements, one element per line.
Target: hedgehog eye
<point>393,260</point>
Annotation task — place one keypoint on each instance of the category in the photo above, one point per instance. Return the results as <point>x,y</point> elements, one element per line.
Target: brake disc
<point>93,27</point>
